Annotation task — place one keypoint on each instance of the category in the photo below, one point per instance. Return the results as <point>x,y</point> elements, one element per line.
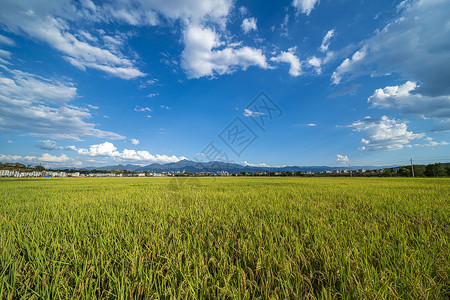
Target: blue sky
<point>92,83</point>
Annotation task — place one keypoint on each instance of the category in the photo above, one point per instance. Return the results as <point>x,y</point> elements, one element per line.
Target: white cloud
<point>152,95</point>
<point>405,99</point>
<point>348,64</point>
<point>289,58</point>
<point>143,11</point>
<point>249,25</point>
<point>5,54</point>
<point>243,10</point>
<point>86,36</point>
<point>142,109</point>
<point>249,113</point>
<point>305,6</point>
<point>44,158</point>
<point>40,106</point>
<point>10,158</point>
<point>30,87</point>
<point>51,22</point>
<point>108,149</point>
<point>49,145</point>
<point>316,63</point>
<point>53,158</point>
<point>431,143</point>
<point>284,26</point>
<point>165,107</point>
<point>384,134</point>
<point>326,41</point>
<point>206,55</point>
<point>264,165</point>
<point>342,158</point>
<point>245,163</point>
<point>135,141</point>
<point>311,125</point>
<point>415,46</point>
<point>148,82</point>
<point>6,40</point>
<point>62,24</point>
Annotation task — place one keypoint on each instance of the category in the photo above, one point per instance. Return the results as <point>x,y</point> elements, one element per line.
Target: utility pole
<point>350,169</point>
<point>412,168</point>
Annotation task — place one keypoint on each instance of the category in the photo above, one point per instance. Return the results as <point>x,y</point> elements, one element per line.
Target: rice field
<point>225,238</point>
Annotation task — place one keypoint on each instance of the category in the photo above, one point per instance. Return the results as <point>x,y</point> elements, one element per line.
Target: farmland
<point>225,238</point>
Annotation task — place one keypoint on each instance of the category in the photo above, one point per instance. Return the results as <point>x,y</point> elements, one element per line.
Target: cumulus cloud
<point>264,165</point>
<point>348,64</point>
<point>342,158</point>
<point>135,141</point>
<point>206,55</point>
<point>40,106</point>
<point>305,6</point>
<point>405,99</point>
<point>415,46</point>
<point>53,158</point>
<point>316,63</point>
<point>245,163</point>
<point>248,25</point>
<point>57,23</point>
<point>62,25</point>
<point>108,149</point>
<point>289,58</point>
<point>384,134</point>
<point>10,158</point>
<point>44,158</point>
<point>49,145</point>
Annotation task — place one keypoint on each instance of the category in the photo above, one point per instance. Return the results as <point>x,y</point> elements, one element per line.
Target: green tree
<point>405,172</point>
<point>419,170</point>
<point>39,168</point>
<point>435,170</point>
<point>387,172</point>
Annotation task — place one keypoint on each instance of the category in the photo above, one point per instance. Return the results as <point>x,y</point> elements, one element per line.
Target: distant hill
<point>216,166</point>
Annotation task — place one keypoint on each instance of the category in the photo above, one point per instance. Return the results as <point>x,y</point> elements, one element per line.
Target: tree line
<point>430,170</point>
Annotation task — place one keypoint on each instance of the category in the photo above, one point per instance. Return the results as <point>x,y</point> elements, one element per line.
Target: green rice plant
<point>238,238</point>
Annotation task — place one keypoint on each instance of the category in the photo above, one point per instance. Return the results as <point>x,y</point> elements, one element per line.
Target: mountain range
<point>217,166</point>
